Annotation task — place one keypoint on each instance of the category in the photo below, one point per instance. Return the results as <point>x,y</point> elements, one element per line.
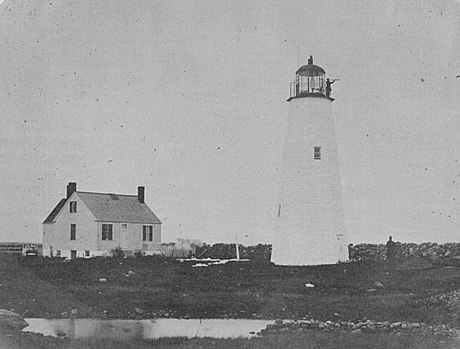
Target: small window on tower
<point>317,153</point>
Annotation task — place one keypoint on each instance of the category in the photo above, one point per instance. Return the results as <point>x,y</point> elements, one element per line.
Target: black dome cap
<point>310,69</point>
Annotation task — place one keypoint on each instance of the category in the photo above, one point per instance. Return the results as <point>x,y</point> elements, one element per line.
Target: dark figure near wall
<point>328,86</point>
<point>391,249</point>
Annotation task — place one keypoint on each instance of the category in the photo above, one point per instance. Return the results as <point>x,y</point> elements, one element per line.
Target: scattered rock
<point>364,326</point>
<point>198,265</point>
<point>131,272</point>
<point>11,322</point>
<point>74,311</point>
<point>308,285</point>
<point>378,284</point>
<point>138,310</point>
<point>102,280</point>
<point>61,334</point>
<point>371,290</point>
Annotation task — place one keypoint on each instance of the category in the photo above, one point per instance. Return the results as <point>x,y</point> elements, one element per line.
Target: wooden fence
<point>16,247</point>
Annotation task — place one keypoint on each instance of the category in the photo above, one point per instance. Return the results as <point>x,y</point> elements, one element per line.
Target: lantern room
<point>309,81</point>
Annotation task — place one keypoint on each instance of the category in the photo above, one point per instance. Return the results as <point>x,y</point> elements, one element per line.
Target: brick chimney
<point>141,194</point>
<point>71,187</point>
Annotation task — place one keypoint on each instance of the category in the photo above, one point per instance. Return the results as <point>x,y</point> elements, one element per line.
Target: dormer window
<point>317,153</point>
<point>73,207</point>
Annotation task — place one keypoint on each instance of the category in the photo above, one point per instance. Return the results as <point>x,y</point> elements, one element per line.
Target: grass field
<point>163,287</point>
<point>249,290</point>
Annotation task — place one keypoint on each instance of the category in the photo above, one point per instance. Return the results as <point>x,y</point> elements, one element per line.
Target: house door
<point>73,254</point>
<point>124,236</point>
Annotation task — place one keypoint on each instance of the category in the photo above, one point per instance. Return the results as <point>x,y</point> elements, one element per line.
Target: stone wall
<point>359,327</point>
<point>360,252</point>
<point>404,250</point>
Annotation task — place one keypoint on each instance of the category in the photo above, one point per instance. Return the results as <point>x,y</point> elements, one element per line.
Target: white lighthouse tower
<point>309,229</point>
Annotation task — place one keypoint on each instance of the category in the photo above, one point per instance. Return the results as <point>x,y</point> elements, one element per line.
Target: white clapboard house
<point>88,224</point>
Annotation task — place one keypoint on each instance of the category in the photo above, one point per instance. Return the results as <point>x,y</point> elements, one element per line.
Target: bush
<point>117,252</point>
<point>228,251</point>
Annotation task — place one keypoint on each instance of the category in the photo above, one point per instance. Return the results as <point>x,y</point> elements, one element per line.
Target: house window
<point>317,153</point>
<point>86,253</point>
<point>73,232</point>
<point>107,232</point>
<point>73,207</point>
<point>147,233</point>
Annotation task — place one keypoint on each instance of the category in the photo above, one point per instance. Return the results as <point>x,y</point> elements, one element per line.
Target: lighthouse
<point>309,227</point>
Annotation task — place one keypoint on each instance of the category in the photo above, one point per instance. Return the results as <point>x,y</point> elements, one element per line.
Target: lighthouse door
<point>341,248</point>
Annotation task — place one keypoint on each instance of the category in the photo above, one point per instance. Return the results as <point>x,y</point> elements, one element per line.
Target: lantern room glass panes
<point>310,84</point>
<point>309,81</point>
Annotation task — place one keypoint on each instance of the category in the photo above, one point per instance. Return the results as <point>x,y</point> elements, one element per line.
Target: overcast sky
<point>188,98</point>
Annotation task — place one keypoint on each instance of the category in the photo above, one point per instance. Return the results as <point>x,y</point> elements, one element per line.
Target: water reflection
<point>148,329</point>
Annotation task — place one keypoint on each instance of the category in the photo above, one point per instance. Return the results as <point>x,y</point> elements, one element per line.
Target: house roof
<point>55,211</point>
<point>112,208</point>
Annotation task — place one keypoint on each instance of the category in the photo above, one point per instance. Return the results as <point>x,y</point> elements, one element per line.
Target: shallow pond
<point>147,329</point>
